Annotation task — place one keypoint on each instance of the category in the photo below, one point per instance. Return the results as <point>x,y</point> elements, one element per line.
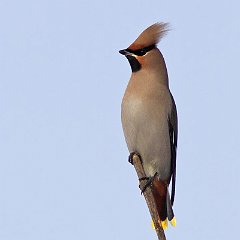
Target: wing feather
<point>173,133</point>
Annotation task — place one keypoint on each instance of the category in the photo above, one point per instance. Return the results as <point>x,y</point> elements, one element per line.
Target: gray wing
<point>173,133</point>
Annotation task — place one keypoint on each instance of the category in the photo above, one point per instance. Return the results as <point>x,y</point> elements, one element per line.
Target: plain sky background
<point>63,159</point>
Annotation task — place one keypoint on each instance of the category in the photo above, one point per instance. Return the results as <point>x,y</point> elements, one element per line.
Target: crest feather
<point>150,36</point>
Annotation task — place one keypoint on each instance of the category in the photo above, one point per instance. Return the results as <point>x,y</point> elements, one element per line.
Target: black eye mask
<point>142,51</point>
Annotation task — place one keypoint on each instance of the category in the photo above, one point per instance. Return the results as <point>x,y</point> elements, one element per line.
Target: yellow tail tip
<point>153,226</point>
<point>173,222</point>
<point>165,224</point>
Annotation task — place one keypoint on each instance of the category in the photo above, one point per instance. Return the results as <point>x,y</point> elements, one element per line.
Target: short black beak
<point>124,52</point>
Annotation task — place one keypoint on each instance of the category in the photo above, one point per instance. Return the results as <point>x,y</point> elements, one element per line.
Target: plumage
<point>149,115</point>
<point>150,36</point>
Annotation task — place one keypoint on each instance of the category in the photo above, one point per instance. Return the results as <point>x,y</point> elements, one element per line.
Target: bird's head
<point>143,52</point>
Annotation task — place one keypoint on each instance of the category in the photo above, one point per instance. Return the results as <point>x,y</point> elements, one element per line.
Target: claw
<point>148,183</point>
<point>130,157</point>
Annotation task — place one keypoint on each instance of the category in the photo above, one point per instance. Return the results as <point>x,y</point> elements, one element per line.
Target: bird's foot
<point>148,182</point>
<point>130,157</point>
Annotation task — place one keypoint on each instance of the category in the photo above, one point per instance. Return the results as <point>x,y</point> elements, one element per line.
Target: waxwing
<point>149,118</point>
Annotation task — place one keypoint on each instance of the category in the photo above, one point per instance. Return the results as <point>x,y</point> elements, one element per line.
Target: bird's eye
<point>142,52</point>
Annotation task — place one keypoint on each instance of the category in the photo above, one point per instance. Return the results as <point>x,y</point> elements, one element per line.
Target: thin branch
<point>148,197</point>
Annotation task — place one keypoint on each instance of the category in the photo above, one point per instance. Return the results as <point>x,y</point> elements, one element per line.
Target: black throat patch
<point>134,63</point>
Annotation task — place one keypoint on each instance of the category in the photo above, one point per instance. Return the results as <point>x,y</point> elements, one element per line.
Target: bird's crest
<point>150,36</point>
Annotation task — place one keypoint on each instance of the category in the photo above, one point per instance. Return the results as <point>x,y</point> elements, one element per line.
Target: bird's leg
<point>148,183</point>
<point>130,157</point>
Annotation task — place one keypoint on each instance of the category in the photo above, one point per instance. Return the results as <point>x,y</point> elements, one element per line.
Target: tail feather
<point>170,212</point>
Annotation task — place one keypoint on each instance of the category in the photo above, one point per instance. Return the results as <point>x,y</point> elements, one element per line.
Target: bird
<point>149,118</point>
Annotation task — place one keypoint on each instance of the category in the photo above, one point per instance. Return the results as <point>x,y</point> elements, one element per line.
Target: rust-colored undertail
<point>159,189</point>
<point>163,202</point>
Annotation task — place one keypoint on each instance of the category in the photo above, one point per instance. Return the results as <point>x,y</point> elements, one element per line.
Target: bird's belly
<point>146,132</point>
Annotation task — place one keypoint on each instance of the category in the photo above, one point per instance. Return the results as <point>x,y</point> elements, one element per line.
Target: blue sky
<point>63,159</point>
